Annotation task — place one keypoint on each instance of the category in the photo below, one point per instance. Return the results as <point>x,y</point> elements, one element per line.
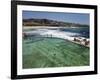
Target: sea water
<point>62,31</point>
<point>82,31</point>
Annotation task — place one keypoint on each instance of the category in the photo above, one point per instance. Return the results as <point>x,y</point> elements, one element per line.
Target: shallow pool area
<point>42,52</point>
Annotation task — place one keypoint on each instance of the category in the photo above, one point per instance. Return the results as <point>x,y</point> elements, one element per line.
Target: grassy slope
<point>54,53</point>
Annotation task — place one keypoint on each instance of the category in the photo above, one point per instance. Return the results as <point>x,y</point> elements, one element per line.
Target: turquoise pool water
<point>53,52</point>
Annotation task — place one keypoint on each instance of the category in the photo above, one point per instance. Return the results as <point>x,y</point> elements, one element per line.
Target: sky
<point>81,18</point>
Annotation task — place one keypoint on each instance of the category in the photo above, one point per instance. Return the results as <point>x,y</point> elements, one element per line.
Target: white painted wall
<point>5,29</point>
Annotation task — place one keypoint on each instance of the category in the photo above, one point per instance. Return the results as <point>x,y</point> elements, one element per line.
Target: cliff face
<point>47,22</point>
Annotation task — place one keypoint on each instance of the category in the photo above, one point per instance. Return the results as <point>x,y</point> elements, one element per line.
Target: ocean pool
<point>53,52</point>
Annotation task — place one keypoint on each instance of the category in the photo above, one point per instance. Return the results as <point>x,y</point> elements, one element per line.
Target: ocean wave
<point>53,33</point>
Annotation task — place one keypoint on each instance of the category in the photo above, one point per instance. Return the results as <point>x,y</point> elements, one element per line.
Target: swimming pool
<point>53,52</point>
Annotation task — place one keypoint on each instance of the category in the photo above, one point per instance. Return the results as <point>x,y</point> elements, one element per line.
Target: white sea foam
<point>53,33</point>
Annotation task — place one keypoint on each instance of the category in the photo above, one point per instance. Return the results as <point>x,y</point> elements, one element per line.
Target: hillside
<point>47,22</point>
